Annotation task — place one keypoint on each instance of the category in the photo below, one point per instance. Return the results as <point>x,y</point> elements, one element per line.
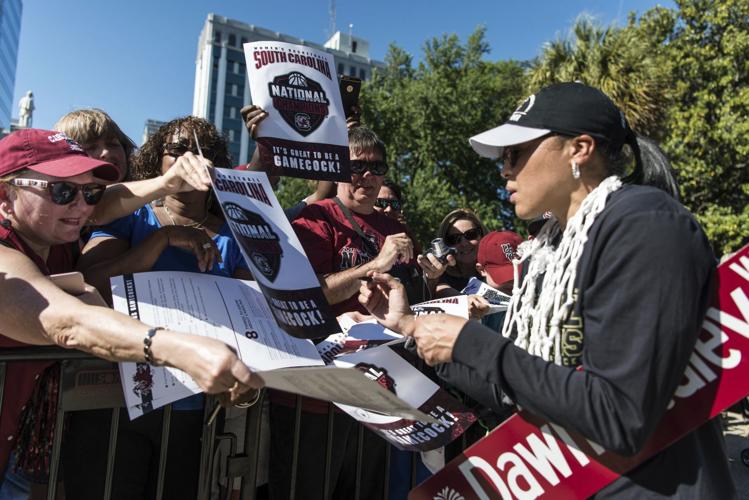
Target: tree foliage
<point>425,115</point>
<point>708,122</point>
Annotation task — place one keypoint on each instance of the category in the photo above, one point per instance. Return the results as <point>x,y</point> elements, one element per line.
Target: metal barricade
<point>89,383</point>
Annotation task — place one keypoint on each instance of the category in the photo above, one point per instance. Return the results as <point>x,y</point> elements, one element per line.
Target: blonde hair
<point>86,126</point>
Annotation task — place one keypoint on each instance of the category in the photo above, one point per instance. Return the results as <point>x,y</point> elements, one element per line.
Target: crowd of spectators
<point>82,198</point>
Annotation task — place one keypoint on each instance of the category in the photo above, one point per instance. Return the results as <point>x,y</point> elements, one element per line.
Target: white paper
<point>226,309</point>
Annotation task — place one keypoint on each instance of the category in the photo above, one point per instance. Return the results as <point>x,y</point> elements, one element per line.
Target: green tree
<point>626,63</point>
<point>425,115</point>
<point>708,121</point>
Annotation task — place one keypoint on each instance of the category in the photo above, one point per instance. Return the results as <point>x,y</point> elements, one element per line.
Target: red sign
<point>529,457</point>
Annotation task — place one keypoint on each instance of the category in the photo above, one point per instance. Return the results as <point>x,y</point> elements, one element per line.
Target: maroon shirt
<point>332,245</point>
<point>20,377</point>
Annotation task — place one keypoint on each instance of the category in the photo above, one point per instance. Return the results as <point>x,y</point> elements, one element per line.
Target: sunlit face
<point>109,150</point>
<point>387,194</point>
<point>43,222</point>
<point>466,245</point>
<point>537,173</point>
<point>363,189</point>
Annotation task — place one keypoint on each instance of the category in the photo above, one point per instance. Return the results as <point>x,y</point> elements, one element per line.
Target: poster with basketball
<point>305,133</point>
<point>273,253</point>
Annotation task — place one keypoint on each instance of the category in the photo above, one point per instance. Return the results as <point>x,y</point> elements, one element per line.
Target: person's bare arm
<point>37,312</point>
<point>188,173</point>
<point>107,256</point>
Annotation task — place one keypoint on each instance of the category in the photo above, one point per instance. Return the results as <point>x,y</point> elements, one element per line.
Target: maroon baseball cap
<point>50,153</point>
<point>496,251</point>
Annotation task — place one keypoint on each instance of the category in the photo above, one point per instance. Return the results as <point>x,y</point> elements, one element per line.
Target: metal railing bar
<point>328,453</point>
<point>111,452</point>
<point>207,448</point>
<point>163,449</point>
<point>254,421</point>
<point>42,353</point>
<point>359,461</point>
<point>2,385</point>
<point>386,475</point>
<point>295,449</point>
<point>56,443</point>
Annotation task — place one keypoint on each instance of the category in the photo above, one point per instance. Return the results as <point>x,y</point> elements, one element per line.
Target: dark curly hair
<point>146,163</point>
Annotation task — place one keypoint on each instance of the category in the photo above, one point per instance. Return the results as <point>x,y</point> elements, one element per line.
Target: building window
<point>362,74</point>
<point>353,46</point>
<point>217,37</point>
<point>231,135</point>
<point>353,71</point>
<point>232,112</point>
<point>340,68</point>
<point>234,89</point>
<point>236,68</point>
<point>232,41</point>
<point>244,40</point>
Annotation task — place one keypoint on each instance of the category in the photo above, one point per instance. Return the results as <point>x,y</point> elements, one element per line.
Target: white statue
<point>26,110</point>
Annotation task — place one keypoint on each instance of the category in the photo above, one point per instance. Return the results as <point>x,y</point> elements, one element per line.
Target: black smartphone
<point>350,87</point>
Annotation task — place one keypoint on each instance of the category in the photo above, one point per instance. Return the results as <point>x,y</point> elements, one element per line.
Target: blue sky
<point>136,59</point>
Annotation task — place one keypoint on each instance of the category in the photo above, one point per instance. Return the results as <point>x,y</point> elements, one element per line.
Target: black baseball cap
<point>570,108</point>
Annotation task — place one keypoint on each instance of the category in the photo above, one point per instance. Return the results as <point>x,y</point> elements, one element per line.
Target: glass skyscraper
<point>10,31</point>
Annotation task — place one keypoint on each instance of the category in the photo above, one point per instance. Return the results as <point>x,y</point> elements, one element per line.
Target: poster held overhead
<point>274,254</point>
<point>305,133</point>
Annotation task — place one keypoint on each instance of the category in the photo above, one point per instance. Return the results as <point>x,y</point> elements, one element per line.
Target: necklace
<point>196,225</point>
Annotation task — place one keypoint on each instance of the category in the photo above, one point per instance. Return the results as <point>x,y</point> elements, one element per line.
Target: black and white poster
<point>305,133</point>
<point>274,254</point>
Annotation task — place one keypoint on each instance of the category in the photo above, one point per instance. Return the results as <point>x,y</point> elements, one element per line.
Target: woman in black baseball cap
<point>616,283</point>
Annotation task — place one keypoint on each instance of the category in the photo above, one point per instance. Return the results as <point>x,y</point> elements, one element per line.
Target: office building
<point>10,32</point>
<point>150,128</point>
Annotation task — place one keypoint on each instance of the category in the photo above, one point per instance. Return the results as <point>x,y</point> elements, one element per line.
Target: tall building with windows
<point>221,85</point>
<point>10,32</point>
<point>150,128</point>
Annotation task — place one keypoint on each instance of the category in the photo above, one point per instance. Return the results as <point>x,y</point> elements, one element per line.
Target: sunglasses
<point>455,238</point>
<point>376,167</point>
<point>511,154</point>
<point>385,202</point>
<point>63,192</point>
<point>177,149</point>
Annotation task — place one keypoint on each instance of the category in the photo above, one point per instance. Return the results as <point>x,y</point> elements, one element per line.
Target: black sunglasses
<point>511,154</point>
<point>177,149</point>
<point>455,238</point>
<point>377,167</point>
<point>385,202</point>
<point>63,192</point>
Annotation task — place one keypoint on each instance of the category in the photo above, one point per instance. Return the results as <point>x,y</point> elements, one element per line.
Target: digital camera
<point>439,249</point>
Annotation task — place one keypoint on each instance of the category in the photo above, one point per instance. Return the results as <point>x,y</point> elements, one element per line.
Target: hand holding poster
<point>274,254</point>
<point>305,133</point>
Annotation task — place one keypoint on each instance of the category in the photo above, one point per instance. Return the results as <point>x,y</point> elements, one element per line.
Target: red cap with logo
<point>50,153</point>
<point>495,254</point>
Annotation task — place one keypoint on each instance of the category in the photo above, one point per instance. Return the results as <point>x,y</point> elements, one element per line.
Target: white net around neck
<point>537,318</point>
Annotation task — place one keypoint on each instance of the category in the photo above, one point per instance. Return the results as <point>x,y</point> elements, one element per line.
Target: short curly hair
<point>146,162</point>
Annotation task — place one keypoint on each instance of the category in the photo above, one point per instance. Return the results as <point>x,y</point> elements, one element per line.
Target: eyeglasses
<point>455,238</point>
<point>377,167</point>
<point>383,203</point>
<point>177,149</point>
<point>63,192</point>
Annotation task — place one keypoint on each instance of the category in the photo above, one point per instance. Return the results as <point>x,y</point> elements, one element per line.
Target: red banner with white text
<point>528,457</point>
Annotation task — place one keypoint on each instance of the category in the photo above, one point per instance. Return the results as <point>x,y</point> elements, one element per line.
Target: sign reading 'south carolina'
<point>305,133</point>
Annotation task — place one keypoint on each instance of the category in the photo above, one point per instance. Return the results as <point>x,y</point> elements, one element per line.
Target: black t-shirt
<point>643,285</point>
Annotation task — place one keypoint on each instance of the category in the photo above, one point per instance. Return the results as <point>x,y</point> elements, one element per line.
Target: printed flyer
<point>305,133</point>
<point>274,254</point>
